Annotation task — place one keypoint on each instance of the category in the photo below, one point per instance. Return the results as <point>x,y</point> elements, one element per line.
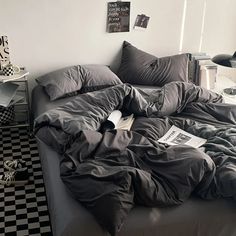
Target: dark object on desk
<point>230,91</point>
<point>225,60</point>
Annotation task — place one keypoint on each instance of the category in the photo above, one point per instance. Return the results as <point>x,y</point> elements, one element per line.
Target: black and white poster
<point>4,50</point>
<point>118,17</point>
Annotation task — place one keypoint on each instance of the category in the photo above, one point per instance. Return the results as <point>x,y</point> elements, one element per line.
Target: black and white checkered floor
<point>23,209</point>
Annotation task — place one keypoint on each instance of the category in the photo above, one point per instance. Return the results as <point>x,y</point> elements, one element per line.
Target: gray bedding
<point>70,218</point>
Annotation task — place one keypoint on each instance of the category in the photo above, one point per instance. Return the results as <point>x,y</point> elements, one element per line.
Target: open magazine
<point>7,93</point>
<point>175,136</point>
<point>16,99</point>
<point>116,121</point>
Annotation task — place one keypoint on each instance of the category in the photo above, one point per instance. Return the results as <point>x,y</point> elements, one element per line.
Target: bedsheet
<point>164,210</point>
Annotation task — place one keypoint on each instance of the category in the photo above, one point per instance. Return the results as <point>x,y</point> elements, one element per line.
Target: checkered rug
<point>23,209</point>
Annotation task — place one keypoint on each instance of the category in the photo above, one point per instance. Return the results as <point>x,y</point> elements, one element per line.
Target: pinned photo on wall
<point>141,22</point>
<point>4,51</point>
<point>118,17</point>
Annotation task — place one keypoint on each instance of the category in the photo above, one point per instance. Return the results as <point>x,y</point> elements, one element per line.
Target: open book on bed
<point>175,136</point>
<point>116,121</point>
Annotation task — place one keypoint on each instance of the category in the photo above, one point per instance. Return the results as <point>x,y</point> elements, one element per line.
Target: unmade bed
<point>69,217</point>
<point>105,181</point>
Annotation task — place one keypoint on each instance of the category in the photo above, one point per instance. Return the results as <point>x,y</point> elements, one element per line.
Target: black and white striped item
<point>7,71</point>
<point>6,114</point>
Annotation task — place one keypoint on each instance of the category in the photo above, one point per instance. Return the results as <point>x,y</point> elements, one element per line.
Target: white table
<point>223,82</point>
<point>21,108</point>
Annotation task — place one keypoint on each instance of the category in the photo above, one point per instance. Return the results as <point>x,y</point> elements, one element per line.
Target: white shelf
<point>18,76</point>
<point>22,109</point>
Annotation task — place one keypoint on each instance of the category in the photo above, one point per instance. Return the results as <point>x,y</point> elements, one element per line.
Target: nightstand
<point>223,82</point>
<point>21,108</point>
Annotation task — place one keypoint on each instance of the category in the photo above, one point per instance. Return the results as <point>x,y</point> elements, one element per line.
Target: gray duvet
<point>117,169</point>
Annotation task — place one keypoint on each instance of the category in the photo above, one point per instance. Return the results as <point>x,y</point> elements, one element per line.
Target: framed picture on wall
<point>118,17</point>
<point>141,21</point>
<point>4,50</point>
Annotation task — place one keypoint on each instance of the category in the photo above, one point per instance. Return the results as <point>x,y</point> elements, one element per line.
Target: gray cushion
<point>68,81</point>
<point>61,82</point>
<point>97,77</point>
<point>139,67</point>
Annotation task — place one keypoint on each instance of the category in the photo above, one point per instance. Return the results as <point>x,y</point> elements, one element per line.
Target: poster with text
<point>118,17</point>
<point>4,50</point>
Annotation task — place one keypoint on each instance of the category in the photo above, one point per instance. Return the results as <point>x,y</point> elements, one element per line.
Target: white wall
<point>220,27</point>
<point>49,34</point>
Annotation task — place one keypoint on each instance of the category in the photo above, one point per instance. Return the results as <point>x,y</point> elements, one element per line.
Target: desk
<point>223,82</point>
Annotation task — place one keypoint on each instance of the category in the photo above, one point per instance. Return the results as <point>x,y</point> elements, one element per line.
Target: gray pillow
<point>96,77</point>
<point>139,67</point>
<point>61,82</point>
<point>68,81</point>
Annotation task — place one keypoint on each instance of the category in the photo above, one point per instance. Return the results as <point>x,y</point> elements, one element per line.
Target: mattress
<point>68,217</point>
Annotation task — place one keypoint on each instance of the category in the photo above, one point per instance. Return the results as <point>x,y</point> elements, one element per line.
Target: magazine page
<point>115,117</point>
<point>175,136</point>
<point>16,99</point>
<point>7,92</point>
<point>116,121</point>
<point>125,122</point>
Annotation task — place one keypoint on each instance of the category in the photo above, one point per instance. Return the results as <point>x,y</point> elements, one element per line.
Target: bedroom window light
<point>203,25</point>
<point>187,22</point>
<point>182,27</point>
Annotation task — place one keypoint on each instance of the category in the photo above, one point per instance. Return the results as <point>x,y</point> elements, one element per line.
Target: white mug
<point>10,69</point>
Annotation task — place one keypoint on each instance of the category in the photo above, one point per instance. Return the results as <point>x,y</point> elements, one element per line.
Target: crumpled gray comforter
<point>110,172</point>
